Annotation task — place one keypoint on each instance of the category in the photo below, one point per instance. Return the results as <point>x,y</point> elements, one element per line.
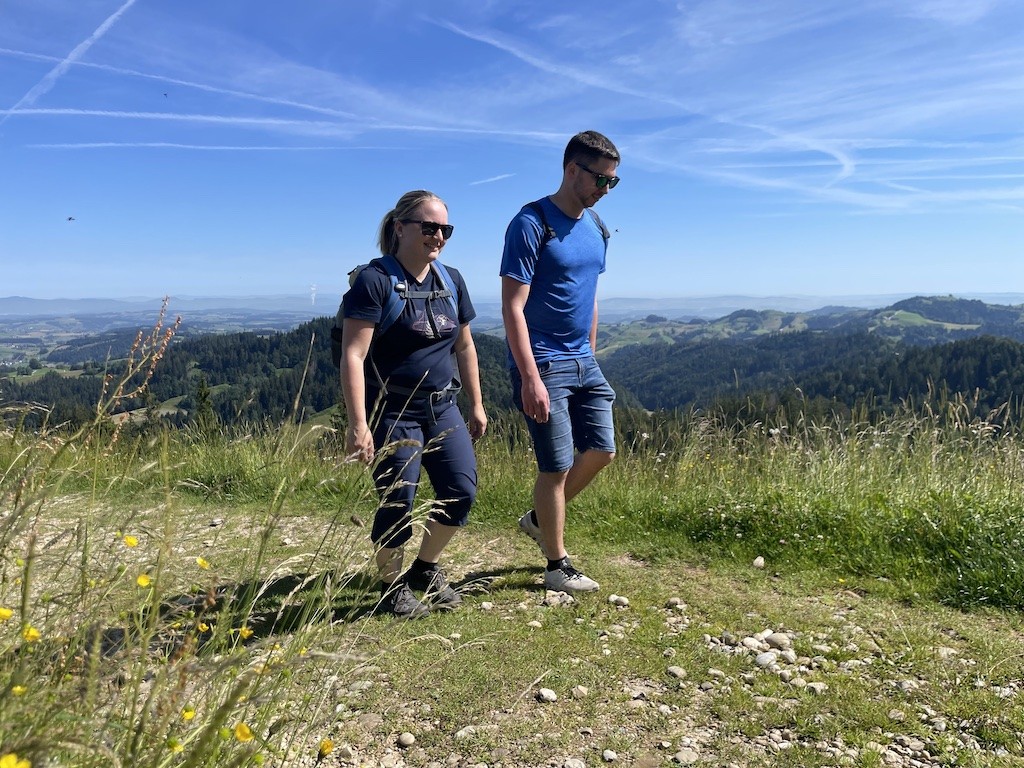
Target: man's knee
<point>552,479</point>
<point>601,459</point>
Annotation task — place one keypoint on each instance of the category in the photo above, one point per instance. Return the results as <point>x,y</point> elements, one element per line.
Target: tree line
<point>234,378</point>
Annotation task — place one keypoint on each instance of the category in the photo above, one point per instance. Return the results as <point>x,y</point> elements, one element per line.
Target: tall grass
<point>933,501</point>
<point>130,633</point>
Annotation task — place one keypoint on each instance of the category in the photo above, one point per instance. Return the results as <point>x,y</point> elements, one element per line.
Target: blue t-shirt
<point>562,278</point>
<point>415,352</point>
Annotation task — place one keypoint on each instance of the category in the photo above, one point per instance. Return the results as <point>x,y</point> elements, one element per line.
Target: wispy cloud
<point>51,77</point>
<point>492,179</point>
<point>202,147</point>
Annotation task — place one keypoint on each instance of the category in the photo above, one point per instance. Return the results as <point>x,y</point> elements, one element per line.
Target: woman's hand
<point>359,443</point>
<point>477,422</point>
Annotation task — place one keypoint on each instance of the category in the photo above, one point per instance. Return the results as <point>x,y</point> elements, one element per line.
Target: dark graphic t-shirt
<point>415,352</point>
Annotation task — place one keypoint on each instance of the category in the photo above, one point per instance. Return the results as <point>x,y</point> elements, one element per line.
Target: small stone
<point>217,522</point>
<point>673,602</point>
<point>669,653</point>
<point>406,739</point>
<point>574,762</point>
<point>486,606</point>
<point>897,715</point>
<point>535,624</point>
<point>766,659</point>
<point>817,688</point>
<point>759,562</point>
<point>580,692</point>
<point>547,695</point>
<point>779,640</point>
<point>677,672</point>
<point>685,756</point>
<point>618,600</point>
<point>609,756</point>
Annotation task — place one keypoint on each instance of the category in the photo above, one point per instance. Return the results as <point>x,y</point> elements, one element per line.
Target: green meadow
<point>800,595</point>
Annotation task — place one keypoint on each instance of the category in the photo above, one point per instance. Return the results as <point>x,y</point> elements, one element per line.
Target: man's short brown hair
<point>588,146</point>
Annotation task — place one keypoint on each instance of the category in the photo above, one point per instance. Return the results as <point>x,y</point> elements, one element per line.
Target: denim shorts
<point>581,412</point>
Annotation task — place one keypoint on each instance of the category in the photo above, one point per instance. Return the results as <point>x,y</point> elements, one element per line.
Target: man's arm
<point>514,294</point>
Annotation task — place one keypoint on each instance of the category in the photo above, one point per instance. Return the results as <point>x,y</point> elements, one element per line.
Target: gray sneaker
<point>437,592</point>
<point>566,578</point>
<point>531,529</point>
<point>398,600</point>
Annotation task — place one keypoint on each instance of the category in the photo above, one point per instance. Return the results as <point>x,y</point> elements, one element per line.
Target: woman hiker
<point>403,317</point>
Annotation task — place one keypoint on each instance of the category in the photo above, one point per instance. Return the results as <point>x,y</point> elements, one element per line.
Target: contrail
<point>50,79</point>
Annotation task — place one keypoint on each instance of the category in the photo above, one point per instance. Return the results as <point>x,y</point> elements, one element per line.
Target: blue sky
<point>770,147</point>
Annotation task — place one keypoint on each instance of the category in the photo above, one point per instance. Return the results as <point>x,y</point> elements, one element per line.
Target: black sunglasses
<point>600,179</point>
<point>430,228</point>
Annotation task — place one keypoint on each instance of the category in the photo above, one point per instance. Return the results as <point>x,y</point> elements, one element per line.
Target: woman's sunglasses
<point>431,228</point>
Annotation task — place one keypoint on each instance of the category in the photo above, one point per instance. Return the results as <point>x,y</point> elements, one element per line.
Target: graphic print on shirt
<point>434,325</point>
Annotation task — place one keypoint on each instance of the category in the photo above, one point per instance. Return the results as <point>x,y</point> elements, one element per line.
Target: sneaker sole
<point>569,589</point>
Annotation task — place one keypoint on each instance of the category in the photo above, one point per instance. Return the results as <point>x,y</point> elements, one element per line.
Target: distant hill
<point>921,348</point>
<point>916,320</point>
<point>842,355</point>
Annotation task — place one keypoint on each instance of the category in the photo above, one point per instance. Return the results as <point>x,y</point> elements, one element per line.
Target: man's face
<point>589,175</point>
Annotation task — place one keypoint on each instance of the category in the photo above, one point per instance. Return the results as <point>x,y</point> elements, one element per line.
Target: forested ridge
<point>856,358</point>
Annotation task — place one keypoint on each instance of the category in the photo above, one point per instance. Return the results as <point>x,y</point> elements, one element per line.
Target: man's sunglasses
<point>600,179</point>
<point>431,228</point>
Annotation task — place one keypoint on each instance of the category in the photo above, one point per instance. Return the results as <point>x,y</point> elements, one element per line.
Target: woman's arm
<point>469,373</point>
<point>356,336</point>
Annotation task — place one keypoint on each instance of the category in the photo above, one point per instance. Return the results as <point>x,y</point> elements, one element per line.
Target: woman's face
<point>411,240</point>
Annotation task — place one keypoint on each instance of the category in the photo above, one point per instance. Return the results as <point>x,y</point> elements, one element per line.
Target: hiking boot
<point>531,529</point>
<point>437,592</point>
<point>398,600</point>
<point>566,578</point>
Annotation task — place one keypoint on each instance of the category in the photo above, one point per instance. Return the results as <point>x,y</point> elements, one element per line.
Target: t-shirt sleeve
<point>365,299</point>
<point>522,244</point>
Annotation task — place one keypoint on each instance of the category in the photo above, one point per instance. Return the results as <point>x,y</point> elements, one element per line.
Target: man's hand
<point>536,403</point>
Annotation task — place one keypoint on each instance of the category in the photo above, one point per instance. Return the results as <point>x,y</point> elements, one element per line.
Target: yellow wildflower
<point>188,713</point>
<point>31,635</point>
<point>19,690</point>
<point>130,541</point>
<point>5,614</point>
<point>203,626</point>
<point>203,563</point>
<point>243,732</point>
<point>245,633</point>
<point>11,760</point>
<point>175,746</point>
<point>326,747</point>
<point>143,580</point>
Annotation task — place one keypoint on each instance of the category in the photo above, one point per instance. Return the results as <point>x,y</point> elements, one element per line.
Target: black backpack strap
<point>547,232</point>
<point>597,220</point>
